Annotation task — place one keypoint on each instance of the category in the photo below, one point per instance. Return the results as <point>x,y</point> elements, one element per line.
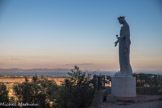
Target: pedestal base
<point>123,86</point>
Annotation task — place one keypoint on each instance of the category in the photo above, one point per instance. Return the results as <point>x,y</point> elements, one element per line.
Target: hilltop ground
<point>102,100</point>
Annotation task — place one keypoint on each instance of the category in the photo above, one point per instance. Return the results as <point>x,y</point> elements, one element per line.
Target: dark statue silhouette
<point>124,48</point>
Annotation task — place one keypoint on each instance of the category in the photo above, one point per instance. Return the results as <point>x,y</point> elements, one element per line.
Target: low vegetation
<point>148,80</point>
<point>39,91</point>
<point>77,91</point>
<point>149,84</point>
<point>3,93</point>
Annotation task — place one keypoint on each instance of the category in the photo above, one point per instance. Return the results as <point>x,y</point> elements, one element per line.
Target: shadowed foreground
<point>153,104</point>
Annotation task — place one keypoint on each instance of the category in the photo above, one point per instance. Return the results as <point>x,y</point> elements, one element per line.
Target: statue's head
<point>121,19</point>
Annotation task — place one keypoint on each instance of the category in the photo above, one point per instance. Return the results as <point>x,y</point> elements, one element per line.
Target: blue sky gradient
<point>62,33</point>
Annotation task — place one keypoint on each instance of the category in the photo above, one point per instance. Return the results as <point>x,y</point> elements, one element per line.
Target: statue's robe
<point>124,50</point>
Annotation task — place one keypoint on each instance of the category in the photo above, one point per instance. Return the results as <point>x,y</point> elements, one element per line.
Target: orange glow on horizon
<point>103,63</point>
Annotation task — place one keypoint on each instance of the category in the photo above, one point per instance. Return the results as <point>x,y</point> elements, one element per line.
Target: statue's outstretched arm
<point>116,43</point>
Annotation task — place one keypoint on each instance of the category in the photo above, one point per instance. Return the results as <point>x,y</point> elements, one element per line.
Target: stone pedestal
<point>123,86</point>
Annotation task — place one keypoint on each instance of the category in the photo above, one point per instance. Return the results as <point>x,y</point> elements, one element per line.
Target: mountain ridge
<point>13,70</point>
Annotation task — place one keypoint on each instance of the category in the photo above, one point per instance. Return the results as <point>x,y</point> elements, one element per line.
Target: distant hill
<point>13,70</point>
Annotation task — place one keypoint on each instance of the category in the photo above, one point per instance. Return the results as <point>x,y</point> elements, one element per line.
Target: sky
<point>64,33</point>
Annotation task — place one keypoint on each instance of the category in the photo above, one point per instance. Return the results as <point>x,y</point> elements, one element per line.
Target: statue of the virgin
<point>124,48</point>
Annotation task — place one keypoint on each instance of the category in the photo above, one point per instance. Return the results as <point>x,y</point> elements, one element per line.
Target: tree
<point>76,92</point>
<point>39,91</point>
<point>3,93</point>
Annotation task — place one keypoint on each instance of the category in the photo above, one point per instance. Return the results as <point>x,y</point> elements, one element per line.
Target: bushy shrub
<point>76,92</point>
<point>3,93</point>
<point>39,91</point>
<point>148,80</point>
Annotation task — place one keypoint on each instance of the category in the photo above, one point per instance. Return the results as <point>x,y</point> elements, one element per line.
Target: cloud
<point>15,59</point>
<point>81,64</point>
<point>86,64</point>
<point>10,59</point>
